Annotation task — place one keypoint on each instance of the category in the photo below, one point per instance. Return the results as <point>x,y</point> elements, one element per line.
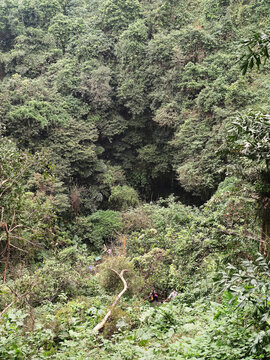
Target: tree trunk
<point>100,325</point>
<point>262,241</point>
<point>4,225</point>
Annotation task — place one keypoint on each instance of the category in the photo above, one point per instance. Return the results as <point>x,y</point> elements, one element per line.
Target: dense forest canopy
<point>139,90</point>
<point>142,127</point>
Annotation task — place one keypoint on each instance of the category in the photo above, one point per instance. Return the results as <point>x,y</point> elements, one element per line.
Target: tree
<point>118,14</point>
<point>37,119</point>
<point>249,137</point>
<point>63,28</point>
<point>38,13</point>
<point>8,28</point>
<point>47,9</point>
<point>123,197</point>
<point>100,325</point>
<point>132,43</point>
<point>93,43</point>
<point>32,53</point>
<point>76,161</point>
<point>95,87</point>
<point>30,111</point>
<point>256,51</point>
<point>25,217</point>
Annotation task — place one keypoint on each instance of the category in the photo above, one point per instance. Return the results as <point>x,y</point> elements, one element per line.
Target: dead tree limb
<point>234,233</point>
<point>7,307</point>
<point>100,325</point>
<point>16,247</point>
<point>17,297</point>
<point>5,227</point>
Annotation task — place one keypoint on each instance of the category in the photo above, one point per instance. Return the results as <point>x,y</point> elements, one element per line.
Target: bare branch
<point>3,182</point>
<point>12,290</point>
<point>234,233</point>
<point>13,220</point>
<point>7,307</point>
<point>4,225</point>
<point>17,297</point>
<point>16,247</point>
<point>2,214</point>
<point>15,227</point>
<point>26,240</point>
<point>15,179</point>
<point>100,325</point>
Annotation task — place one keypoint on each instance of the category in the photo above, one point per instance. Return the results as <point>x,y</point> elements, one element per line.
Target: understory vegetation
<point>134,156</point>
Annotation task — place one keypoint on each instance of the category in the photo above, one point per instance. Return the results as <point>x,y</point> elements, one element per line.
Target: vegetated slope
<point>127,92</point>
<point>56,303</point>
<point>105,103</point>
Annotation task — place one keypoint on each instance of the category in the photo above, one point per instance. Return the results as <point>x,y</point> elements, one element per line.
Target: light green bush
<point>123,197</point>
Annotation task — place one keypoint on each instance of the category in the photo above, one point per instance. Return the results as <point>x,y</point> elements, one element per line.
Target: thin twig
<point>17,297</point>
<point>3,182</point>
<point>28,241</point>
<point>13,220</point>
<point>16,247</point>
<point>4,225</point>
<point>2,214</point>
<point>228,232</point>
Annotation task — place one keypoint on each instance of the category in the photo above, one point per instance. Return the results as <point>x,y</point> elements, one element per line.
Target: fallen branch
<point>234,233</point>
<point>7,307</point>
<point>100,325</point>
<point>17,297</point>
<point>16,247</point>
<point>26,240</point>
<point>5,227</point>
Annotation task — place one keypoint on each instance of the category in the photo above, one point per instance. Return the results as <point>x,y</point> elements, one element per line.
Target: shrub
<point>123,197</point>
<point>98,228</point>
<point>154,266</point>
<point>111,282</point>
<point>119,319</point>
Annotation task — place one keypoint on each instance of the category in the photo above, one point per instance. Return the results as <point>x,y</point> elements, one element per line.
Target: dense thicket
<point>139,90</point>
<point>106,104</point>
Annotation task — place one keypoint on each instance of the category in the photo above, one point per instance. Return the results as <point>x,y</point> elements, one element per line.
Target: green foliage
<point>74,151</point>
<point>29,216</point>
<point>99,228</point>
<point>249,286</point>
<point>31,53</point>
<point>156,270</point>
<point>91,45</point>
<point>34,112</point>
<point>215,9</point>
<point>65,276</point>
<point>132,92</point>
<point>97,87</point>
<point>132,42</point>
<point>168,115</point>
<point>248,136</point>
<point>114,175</point>
<point>63,28</point>
<point>191,244</point>
<point>105,97</point>
<point>111,282</point>
<point>257,51</point>
<point>119,320</point>
<point>123,197</point>
<point>50,186</point>
<point>118,14</point>
<point>145,73</point>
<point>196,43</point>
<point>234,204</point>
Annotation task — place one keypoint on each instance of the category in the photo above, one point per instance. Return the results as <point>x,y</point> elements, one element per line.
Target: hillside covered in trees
<point>135,152</point>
